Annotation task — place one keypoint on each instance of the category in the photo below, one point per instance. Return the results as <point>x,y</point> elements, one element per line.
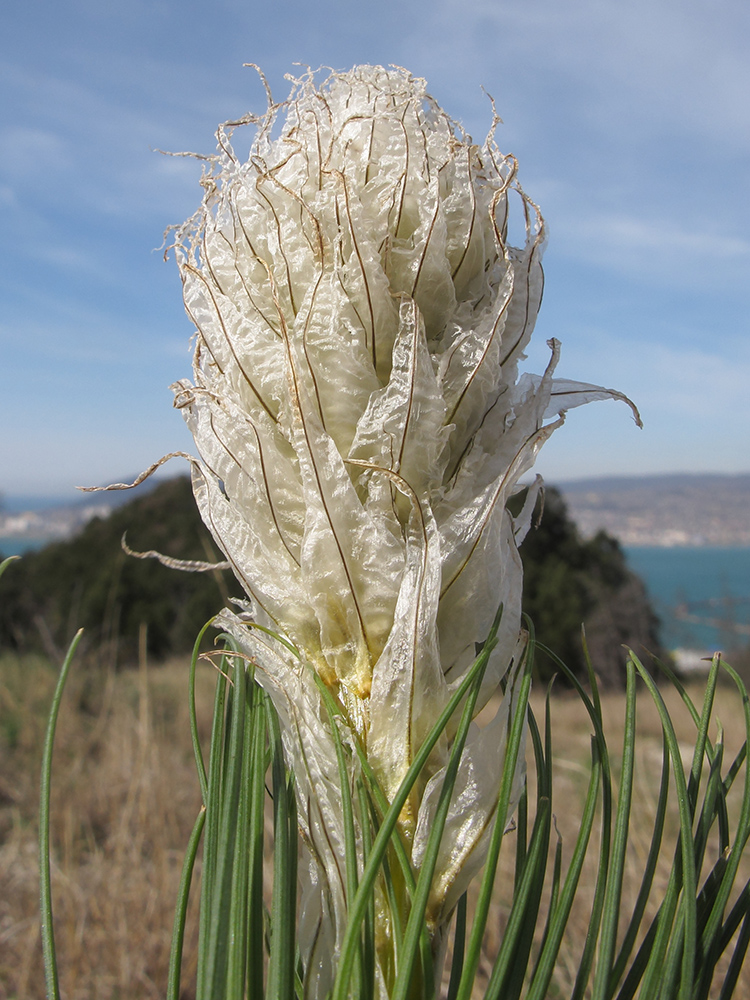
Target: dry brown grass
<point>124,800</point>
<point>125,797</point>
<point>571,731</point>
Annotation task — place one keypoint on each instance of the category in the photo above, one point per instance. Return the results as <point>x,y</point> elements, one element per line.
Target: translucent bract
<point>361,425</point>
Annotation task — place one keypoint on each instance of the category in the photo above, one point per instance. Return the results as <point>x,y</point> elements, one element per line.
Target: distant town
<point>663,510</point>
<point>56,522</point>
<point>666,510</point>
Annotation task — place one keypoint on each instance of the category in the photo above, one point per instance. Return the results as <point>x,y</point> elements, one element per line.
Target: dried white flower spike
<point>361,425</point>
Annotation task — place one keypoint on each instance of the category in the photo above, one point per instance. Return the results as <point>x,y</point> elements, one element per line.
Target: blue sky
<point>631,122</point>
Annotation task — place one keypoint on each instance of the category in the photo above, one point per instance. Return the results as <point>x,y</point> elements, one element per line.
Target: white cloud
<point>673,63</point>
<point>656,250</point>
<point>24,146</point>
<point>97,145</point>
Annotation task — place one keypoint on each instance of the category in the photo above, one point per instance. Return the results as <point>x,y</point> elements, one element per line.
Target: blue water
<point>10,546</point>
<point>706,583</point>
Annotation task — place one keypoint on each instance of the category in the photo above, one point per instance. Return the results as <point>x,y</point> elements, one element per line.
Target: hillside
<point>89,581</point>
<point>679,509</point>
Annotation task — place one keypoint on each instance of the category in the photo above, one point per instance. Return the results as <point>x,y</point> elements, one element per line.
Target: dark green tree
<point>569,582</point>
<point>89,581</point>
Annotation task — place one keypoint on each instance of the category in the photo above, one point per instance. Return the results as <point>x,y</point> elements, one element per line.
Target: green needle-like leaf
<point>631,934</point>
<point>608,940</point>
<point>45,877</point>
<point>688,920</point>
<point>390,820</point>
<point>256,848</point>
<point>513,744</point>
<point>546,961</point>
<point>284,906</point>
<point>183,894</point>
<point>459,946</point>
<point>211,834</point>
<point>424,883</point>
<point>201,768</point>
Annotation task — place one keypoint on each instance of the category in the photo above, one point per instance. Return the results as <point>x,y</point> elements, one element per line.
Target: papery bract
<point>361,426</point>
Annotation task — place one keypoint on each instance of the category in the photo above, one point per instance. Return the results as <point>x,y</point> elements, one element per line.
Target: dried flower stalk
<point>361,425</point>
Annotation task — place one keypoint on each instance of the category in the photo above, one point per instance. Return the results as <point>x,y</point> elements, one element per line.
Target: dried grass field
<point>125,797</point>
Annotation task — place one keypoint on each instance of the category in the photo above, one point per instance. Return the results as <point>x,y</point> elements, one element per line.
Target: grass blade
<point>45,876</point>
<point>551,946</point>
<point>211,832</point>
<point>510,965</point>
<point>644,892</point>
<point>517,721</point>
<point>405,976</point>
<point>284,906</point>
<point>217,964</point>
<point>509,968</point>
<point>686,876</point>
<point>183,894</point>
<point>256,848</point>
<point>200,766</point>
<point>389,824</point>
<point>738,959</point>
<point>459,947</point>
<point>613,894</point>
<point>367,989</point>
<point>709,946</point>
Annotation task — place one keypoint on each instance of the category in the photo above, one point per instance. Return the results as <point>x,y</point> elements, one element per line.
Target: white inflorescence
<point>361,425</point>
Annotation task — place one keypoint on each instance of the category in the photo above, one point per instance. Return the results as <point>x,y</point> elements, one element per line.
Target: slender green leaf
<point>740,909</point>
<point>696,769</point>
<point>593,707</point>
<point>240,860</point>
<point>284,908</point>
<point>608,940</point>
<point>396,901</point>
<point>688,943</point>
<point>45,877</point>
<point>390,820</point>
<point>522,835</point>
<point>517,723</point>
<point>220,930</point>
<point>510,965</point>
<point>183,895</point>
<point>201,768</point>
<point>546,962</point>
<point>6,563</point>
<point>737,961</point>
<point>256,849</point>
<point>644,891</point>
<point>459,946</point>
<point>367,988</point>
<point>416,919</point>
<point>742,831</point>
<point>211,833</point>
<point>509,968</point>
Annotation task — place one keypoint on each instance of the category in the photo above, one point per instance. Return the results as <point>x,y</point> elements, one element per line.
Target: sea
<point>14,546</point>
<point>701,595</point>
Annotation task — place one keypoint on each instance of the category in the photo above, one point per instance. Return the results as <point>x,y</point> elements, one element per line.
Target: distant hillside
<point>55,519</point>
<point>89,581</point>
<point>669,510</point>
